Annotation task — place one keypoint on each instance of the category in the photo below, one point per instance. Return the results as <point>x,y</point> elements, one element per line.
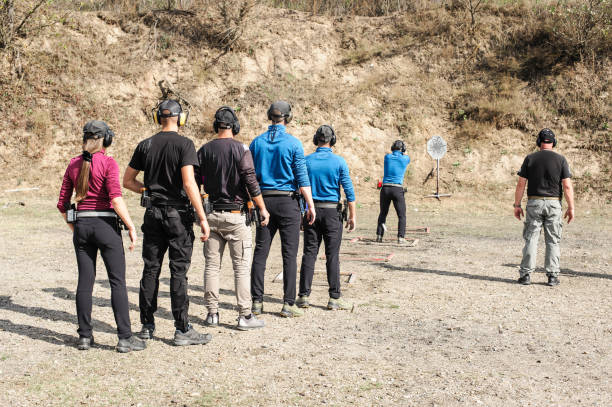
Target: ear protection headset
<point>274,106</point>
<point>320,136</point>
<point>546,135</point>
<point>398,145</point>
<point>175,110</point>
<point>235,123</point>
<point>88,134</point>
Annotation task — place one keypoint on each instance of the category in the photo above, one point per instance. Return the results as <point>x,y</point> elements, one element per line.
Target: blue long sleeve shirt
<point>327,171</point>
<point>279,160</point>
<point>395,167</point>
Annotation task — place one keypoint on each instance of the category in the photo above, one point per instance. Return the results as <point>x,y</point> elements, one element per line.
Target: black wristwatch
<point>516,206</point>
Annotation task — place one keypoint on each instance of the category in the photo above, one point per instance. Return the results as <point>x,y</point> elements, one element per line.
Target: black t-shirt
<point>227,172</point>
<point>544,171</point>
<point>161,157</point>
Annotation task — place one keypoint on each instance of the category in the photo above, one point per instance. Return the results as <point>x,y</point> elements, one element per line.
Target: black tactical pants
<point>393,194</point>
<point>91,235</point>
<point>166,228</point>
<point>285,218</point>
<point>327,227</point>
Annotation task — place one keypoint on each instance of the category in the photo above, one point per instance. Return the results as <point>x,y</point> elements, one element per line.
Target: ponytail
<point>90,147</point>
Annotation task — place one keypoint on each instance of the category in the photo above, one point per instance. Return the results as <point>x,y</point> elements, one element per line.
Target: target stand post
<point>436,147</point>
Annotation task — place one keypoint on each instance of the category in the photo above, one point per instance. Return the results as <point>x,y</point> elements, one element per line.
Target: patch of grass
<point>371,386</point>
<point>213,398</point>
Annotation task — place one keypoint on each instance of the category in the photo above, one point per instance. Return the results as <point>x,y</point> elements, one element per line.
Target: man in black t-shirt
<point>226,170</point>
<point>168,162</point>
<point>547,175</point>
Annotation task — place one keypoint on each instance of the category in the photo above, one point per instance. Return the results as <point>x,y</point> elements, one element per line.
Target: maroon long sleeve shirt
<point>103,183</point>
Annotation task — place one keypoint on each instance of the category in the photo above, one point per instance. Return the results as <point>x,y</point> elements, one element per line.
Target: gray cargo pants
<point>231,229</point>
<point>547,213</point>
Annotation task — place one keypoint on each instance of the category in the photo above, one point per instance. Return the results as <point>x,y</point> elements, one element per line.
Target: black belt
<point>169,202</point>
<point>392,185</point>
<point>234,208</point>
<point>276,192</point>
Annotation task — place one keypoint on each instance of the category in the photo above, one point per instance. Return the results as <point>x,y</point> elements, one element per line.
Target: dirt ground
<point>441,323</point>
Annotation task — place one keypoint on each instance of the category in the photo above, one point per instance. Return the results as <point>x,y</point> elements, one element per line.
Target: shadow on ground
<point>569,272</point>
<point>447,273</point>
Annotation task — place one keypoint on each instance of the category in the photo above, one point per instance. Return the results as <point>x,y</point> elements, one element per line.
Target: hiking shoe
<point>191,337</point>
<point>302,301</point>
<point>335,304</point>
<point>130,344</point>
<point>525,280</point>
<point>552,281</point>
<point>85,343</point>
<point>378,238</point>
<point>291,311</point>
<point>147,331</point>
<point>212,319</point>
<point>245,324</point>
<point>257,307</point>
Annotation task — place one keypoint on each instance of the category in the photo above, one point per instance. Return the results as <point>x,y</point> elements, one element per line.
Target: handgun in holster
<point>344,213</point>
<point>71,214</point>
<point>252,214</point>
<point>145,198</point>
<point>206,204</point>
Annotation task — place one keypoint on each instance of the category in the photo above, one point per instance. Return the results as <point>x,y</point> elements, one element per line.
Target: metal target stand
<point>436,147</point>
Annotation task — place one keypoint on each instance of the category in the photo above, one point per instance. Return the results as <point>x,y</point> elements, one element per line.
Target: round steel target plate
<point>436,147</point>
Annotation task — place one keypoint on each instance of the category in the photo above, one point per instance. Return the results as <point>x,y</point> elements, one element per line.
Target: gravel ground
<point>440,323</point>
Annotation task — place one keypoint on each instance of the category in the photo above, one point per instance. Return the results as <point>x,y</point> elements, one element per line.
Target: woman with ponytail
<point>94,177</point>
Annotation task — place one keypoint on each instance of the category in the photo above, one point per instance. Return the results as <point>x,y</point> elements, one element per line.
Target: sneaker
<point>130,344</point>
<point>302,301</point>
<point>401,240</point>
<point>257,307</point>
<point>378,238</point>
<point>245,324</point>
<point>147,331</point>
<point>85,343</point>
<point>191,337</point>
<point>339,304</point>
<point>291,311</point>
<point>525,280</point>
<point>212,319</point>
<point>552,281</point>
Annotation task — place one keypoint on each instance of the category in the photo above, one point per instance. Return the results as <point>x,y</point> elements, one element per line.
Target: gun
<point>71,214</point>
<point>145,198</point>
<point>252,214</point>
<point>345,210</point>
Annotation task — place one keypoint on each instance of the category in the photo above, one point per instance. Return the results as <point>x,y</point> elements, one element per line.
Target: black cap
<point>225,118</point>
<point>172,106</point>
<point>280,109</point>
<point>95,129</point>
<point>324,134</point>
<point>547,136</point>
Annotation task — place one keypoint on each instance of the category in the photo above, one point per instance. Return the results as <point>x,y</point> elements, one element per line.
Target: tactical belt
<point>326,205</point>
<point>232,208</point>
<point>170,202</point>
<point>276,192</point>
<point>548,198</point>
<point>392,185</point>
<point>95,214</point>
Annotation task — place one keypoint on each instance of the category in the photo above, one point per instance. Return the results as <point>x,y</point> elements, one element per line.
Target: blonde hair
<point>92,146</point>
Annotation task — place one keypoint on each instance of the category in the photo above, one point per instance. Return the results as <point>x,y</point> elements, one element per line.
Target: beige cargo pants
<point>546,214</point>
<point>228,228</point>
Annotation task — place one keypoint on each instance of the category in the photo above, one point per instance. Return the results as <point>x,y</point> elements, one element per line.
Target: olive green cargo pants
<point>547,214</point>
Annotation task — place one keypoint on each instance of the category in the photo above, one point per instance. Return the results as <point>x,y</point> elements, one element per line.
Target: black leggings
<point>91,235</point>
<point>393,194</point>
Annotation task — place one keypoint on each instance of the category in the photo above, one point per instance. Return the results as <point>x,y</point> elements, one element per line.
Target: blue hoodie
<point>279,160</point>
<point>395,167</point>
<point>327,171</point>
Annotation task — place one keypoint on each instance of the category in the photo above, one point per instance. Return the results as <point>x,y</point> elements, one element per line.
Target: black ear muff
<point>320,136</point>
<point>403,147</point>
<point>235,122</point>
<point>108,138</point>
<point>289,116</point>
